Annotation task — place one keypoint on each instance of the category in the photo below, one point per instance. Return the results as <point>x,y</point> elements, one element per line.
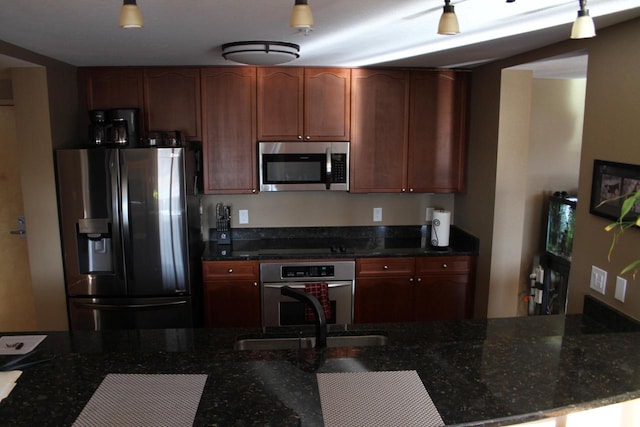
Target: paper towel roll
<point>440,228</point>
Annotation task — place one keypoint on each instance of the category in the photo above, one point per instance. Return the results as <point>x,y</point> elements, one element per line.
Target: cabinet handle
<point>230,271</point>
<point>307,138</point>
<point>411,190</point>
<point>419,279</point>
<point>255,283</point>
<point>386,267</point>
<point>404,190</point>
<point>299,136</point>
<point>444,265</point>
<point>411,280</point>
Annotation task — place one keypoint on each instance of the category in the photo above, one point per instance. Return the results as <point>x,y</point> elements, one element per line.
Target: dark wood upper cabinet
<point>172,100</point>
<point>379,130</point>
<point>229,129</point>
<point>437,131</point>
<point>309,104</point>
<point>117,87</point>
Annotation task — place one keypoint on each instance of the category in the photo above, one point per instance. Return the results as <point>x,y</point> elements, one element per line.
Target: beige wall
<point>46,118</point>
<point>610,132</point>
<point>317,208</point>
<point>33,132</point>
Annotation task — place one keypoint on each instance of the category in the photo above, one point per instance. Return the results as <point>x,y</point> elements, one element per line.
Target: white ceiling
<point>346,32</point>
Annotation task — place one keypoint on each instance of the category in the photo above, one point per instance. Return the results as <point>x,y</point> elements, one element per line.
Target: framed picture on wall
<point>611,183</point>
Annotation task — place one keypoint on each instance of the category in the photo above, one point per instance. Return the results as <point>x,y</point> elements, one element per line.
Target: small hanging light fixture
<point>448,21</point>
<point>583,27</point>
<point>130,16</point>
<point>301,16</point>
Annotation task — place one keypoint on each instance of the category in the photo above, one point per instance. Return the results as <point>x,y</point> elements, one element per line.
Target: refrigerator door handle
<point>116,214</point>
<point>124,217</point>
<point>98,306</point>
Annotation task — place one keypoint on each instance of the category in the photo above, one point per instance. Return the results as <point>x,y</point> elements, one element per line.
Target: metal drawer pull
<point>386,267</point>
<point>230,270</point>
<point>444,266</point>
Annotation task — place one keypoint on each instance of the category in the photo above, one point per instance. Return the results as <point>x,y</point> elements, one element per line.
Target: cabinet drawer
<point>215,270</point>
<point>380,267</point>
<point>446,264</point>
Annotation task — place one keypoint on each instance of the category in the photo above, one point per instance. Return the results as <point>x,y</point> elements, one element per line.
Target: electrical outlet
<point>243,216</point>
<point>377,214</point>
<point>621,288</point>
<point>598,279</point>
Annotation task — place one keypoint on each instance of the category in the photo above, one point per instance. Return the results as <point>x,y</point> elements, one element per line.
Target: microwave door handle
<point>328,168</point>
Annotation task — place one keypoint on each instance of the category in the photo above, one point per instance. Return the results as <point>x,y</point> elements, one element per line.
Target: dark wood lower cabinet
<point>414,289</point>
<point>231,294</point>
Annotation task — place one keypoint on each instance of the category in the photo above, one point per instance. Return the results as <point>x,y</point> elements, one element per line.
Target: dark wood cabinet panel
<point>229,129</point>
<point>172,100</point>
<point>383,299</point>
<point>379,131</point>
<point>115,87</point>
<point>280,103</point>
<point>327,104</point>
<point>231,294</point>
<point>310,104</point>
<point>414,289</point>
<point>437,131</point>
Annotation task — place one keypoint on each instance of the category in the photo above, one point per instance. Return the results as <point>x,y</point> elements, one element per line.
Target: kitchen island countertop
<point>477,372</point>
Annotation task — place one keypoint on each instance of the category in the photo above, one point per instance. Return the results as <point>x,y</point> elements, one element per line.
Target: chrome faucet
<point>318,312</point>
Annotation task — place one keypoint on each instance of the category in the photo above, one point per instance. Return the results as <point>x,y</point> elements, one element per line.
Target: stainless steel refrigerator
<point>130,224</point>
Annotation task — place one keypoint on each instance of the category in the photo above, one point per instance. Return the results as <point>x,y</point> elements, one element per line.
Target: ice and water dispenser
<point>94,245</point>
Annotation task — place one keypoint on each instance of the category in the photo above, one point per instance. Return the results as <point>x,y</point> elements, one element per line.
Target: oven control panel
<point>291,271</point>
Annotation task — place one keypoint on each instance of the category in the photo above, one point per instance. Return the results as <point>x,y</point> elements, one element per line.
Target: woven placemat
<point>144,400</point>
<point>387,398</point>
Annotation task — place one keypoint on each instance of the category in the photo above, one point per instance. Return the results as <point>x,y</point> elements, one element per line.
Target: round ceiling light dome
<point>260,52</point>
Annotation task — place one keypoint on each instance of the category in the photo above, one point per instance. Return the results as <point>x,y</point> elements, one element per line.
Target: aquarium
<point>561,225</point>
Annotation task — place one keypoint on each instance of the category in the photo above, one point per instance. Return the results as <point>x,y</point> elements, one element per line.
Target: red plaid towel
<point>320,291</point>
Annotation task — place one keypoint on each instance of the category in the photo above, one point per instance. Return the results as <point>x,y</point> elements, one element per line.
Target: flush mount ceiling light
<point>448,24</point>
<point>260,52</point>
<point>130,16</point>
<point>583,27</point>
<point>301,15</point>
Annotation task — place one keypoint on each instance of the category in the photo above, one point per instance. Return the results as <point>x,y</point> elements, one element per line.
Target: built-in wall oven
<point>280,310</point>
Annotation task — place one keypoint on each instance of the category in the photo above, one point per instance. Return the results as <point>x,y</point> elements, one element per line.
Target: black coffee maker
<point>116,127</point>
<point>98,127</point>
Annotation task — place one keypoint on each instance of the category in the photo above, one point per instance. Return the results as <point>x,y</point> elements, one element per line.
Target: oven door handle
<point>329,179</point>
<point>301,285</point>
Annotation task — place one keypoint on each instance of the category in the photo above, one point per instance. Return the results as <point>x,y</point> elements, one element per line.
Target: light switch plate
<point>243,216</point>
<point>621,288</point>
<point>598,279</point>
<point>377,214</point>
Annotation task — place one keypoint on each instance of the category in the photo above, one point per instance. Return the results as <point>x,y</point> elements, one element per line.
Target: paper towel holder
<point>440,229</point>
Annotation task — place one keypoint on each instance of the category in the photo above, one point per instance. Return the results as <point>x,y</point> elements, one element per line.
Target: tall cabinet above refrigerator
<point>130,224</point>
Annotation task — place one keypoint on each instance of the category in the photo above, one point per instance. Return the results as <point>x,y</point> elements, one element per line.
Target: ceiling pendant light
<point>448,21</point>
<point>583,27</point>
<point>260,52</point>
<point>130,16</point>
<point>301,15</point>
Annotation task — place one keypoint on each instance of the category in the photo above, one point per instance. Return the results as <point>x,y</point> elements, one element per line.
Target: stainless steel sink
<point>309,342</point>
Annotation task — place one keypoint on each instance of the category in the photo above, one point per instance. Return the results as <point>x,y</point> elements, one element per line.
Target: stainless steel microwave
<point>303,166</point>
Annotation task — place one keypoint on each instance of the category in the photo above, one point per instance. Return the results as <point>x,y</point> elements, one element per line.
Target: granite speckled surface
<point>478,372</point>
<point>336,242</point>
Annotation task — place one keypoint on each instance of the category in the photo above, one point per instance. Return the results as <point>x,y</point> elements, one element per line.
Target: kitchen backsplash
<point>312,209</point>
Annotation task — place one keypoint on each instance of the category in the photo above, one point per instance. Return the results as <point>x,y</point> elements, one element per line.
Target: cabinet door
<point>280,104</point>
<point>232,303</point>
<point>113,88</point>
<point>444,288</point>
<point>172,100</point>
<point>379,131</point>
<point>229,130</point>
<point>327,104</point>
<point>383,299</point>
<point>437,131</point>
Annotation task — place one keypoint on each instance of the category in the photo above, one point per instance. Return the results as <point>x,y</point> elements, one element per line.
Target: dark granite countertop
<point>336,242</point>
<point>478,372</point>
